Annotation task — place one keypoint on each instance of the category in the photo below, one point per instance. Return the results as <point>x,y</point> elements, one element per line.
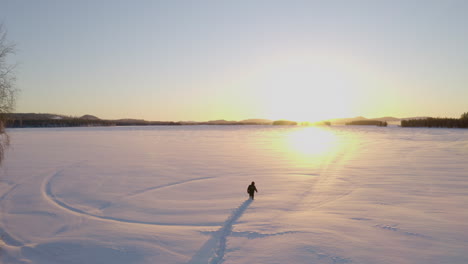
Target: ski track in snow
<point>4,235</point>
<point>8,239</point>
<point>52,198</point>
<point>138,192</point>
<point>142,191</point>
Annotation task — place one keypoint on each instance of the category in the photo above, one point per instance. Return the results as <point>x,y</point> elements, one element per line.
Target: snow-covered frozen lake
<point>166,195</point>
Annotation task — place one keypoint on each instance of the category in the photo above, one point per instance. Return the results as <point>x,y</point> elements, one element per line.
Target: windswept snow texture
<point>166,195</point>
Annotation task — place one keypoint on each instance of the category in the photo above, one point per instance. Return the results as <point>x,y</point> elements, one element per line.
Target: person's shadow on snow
<point>212,251</point>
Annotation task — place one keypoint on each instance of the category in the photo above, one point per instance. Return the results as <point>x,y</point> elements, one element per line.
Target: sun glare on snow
<point>311,141</point>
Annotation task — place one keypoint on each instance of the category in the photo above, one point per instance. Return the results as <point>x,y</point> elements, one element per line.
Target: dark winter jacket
<point>251,189</point>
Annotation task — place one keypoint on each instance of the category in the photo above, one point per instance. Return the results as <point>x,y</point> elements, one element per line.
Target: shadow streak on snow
<point>212,252</point>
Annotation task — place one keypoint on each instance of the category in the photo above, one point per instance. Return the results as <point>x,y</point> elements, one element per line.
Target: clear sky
<point>206,60</point>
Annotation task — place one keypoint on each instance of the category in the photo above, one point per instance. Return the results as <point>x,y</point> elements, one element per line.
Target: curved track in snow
<point>54,199</point>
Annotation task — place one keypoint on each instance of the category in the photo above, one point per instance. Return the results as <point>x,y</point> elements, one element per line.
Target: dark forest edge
<point>29,120</point>
<point>367,123</point>
<point>430,122</point>
<point>438,122</point>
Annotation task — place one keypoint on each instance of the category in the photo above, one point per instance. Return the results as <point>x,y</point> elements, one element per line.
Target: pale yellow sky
<point>234,60</point>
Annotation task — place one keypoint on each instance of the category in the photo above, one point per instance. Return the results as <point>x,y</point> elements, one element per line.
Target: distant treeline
<point>72,122</point>
<point>224,123</point>
<point>367,123</point>
<point>436,122</point>
<point>77,122</point>
<point>144,123</point>
<point>18,120</point>
<point>284,123</point>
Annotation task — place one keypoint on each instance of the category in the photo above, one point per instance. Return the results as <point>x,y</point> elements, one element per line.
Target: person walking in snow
<point>251,190</point>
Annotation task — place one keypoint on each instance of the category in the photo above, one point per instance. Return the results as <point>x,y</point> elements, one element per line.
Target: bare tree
<point>7,87</point>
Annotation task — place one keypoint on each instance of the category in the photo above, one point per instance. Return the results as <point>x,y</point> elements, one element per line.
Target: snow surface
<point>178,195</point>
